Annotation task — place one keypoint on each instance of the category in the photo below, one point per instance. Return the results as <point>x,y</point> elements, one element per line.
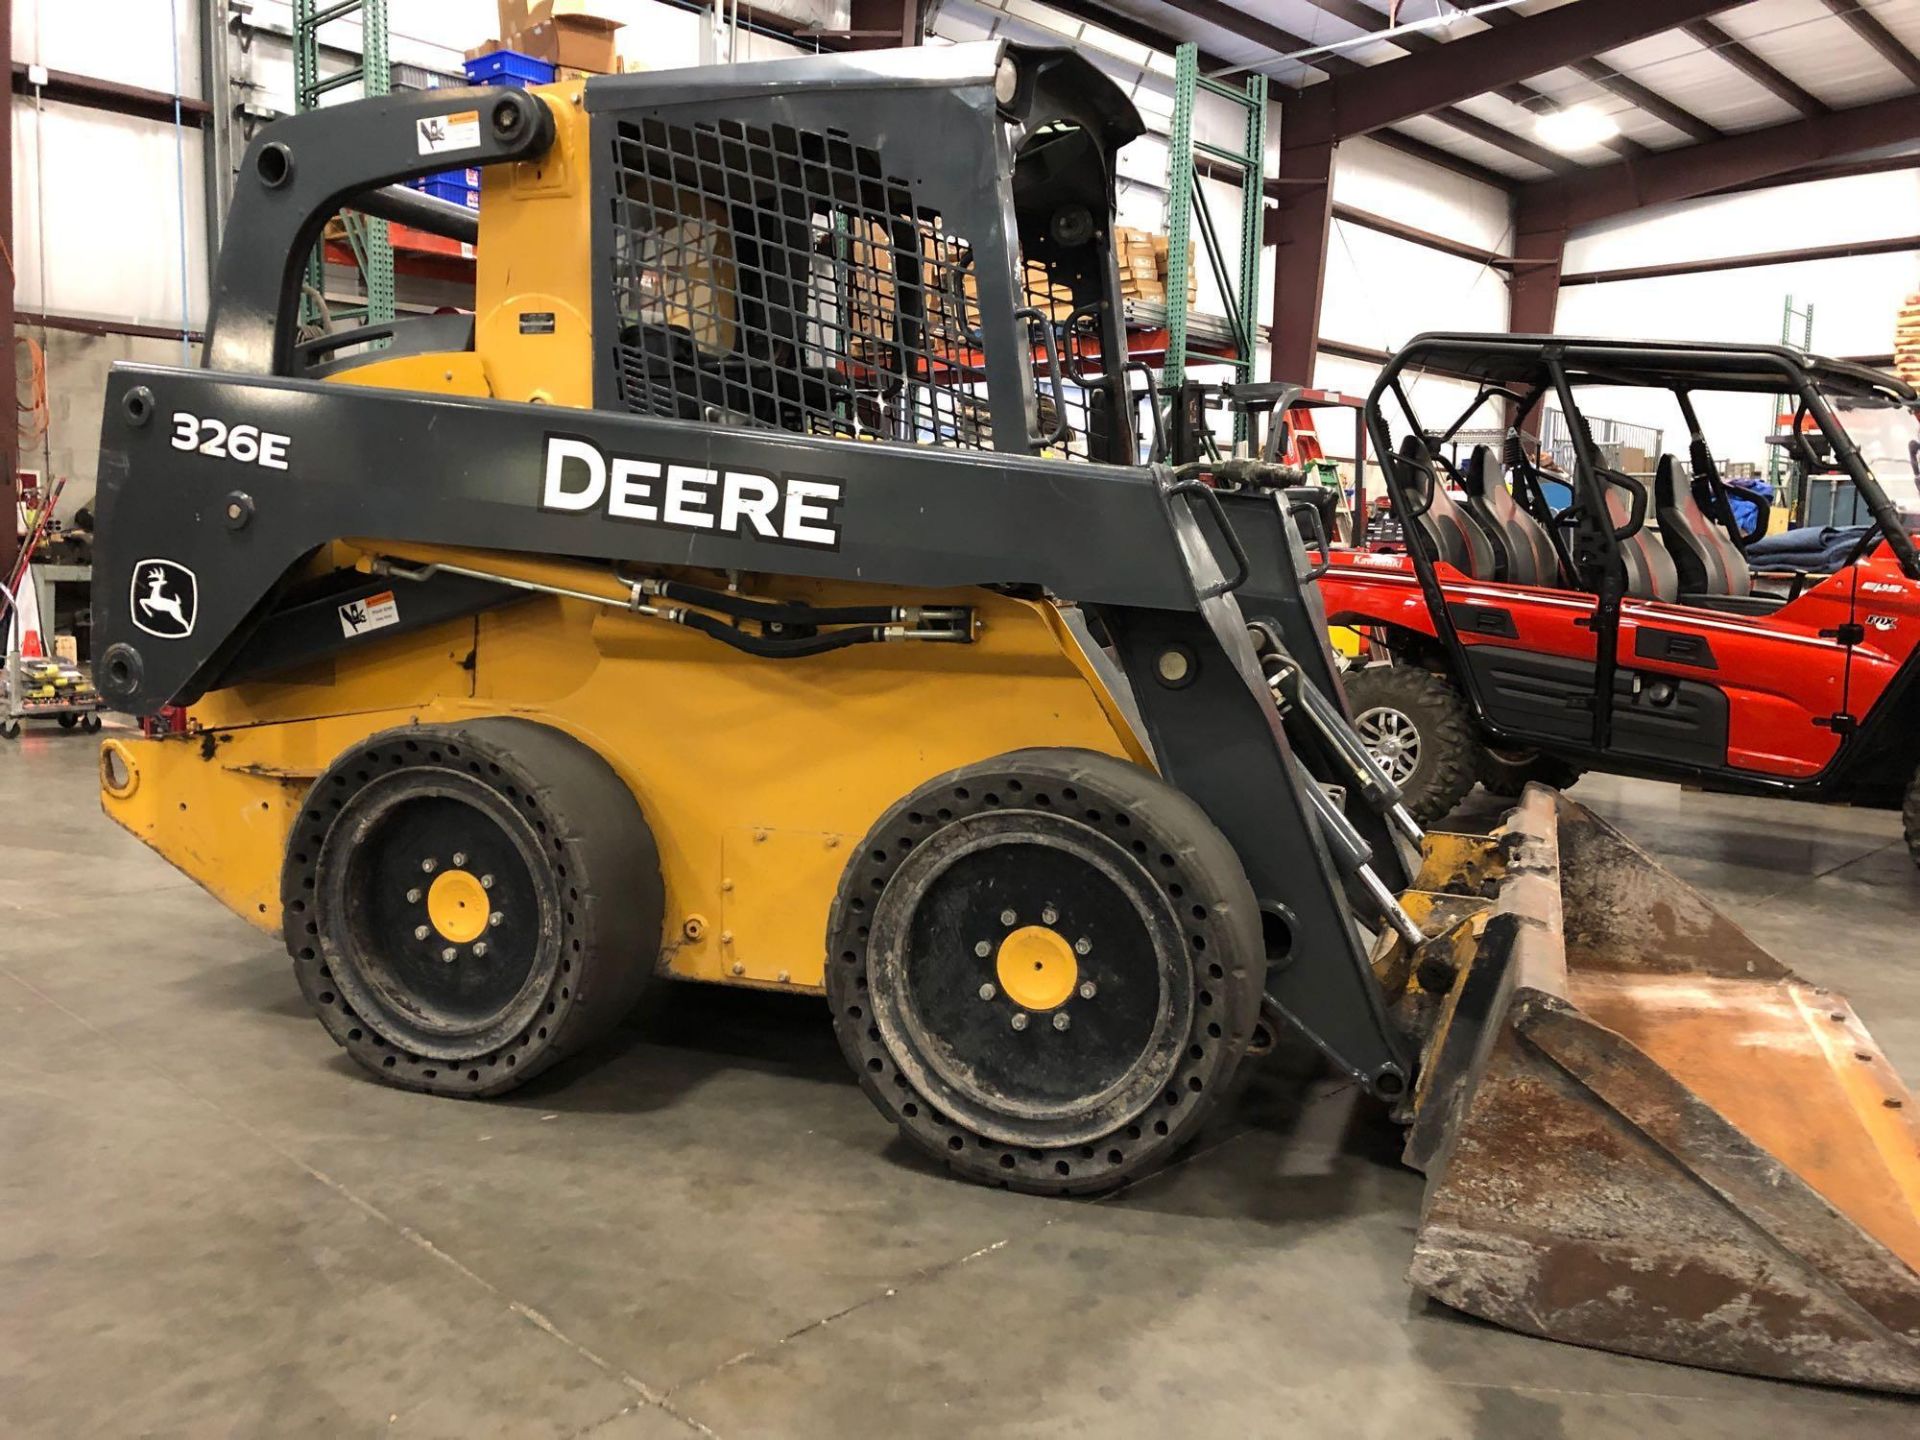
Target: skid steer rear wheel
<point>1045,969</point>
<point>468,904</point>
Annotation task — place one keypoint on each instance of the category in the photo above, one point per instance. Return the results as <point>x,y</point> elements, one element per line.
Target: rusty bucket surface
<point>1642,1132</point>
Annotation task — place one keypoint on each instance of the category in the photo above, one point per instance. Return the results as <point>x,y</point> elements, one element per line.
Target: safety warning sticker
<point>373,613</point>
<point>442,133</point>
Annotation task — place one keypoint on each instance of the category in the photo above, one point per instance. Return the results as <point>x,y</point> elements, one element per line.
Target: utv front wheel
<point>1414,723</point>
<point>468,904</point>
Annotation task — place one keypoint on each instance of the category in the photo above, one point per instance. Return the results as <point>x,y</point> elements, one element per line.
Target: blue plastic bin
<point>451,185</point>
<point>509,67</point>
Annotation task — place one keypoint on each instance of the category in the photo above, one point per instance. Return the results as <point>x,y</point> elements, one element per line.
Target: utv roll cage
<point>1522,372</point>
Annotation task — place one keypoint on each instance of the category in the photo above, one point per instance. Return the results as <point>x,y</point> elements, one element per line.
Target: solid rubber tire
<point>1201,878</point>
<point>602,902</point>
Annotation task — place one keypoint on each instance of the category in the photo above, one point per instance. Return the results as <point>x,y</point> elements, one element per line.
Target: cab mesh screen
<point>777,277</point>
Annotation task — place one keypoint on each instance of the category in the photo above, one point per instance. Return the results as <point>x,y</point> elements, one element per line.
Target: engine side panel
<point>756,776</point>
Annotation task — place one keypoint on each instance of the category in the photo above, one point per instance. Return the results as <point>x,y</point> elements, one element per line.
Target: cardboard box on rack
<point>563,32</point>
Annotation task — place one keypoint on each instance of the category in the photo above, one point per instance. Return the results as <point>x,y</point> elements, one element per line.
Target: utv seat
<point>1650,571</point>
<point>1523,553</point>
<point>1450,533</point>
<point>1713,572</point>
<point>1707,562</point>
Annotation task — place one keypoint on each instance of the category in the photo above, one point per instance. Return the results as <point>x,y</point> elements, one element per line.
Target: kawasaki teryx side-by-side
<point>1628,631</point>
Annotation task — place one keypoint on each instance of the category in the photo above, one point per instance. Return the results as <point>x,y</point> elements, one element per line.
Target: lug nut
<point>1049,916</point>
<point>495,918</point>
<point>420,932</point>
<point>480,948</point>
<point>1082,946</point>
<point>987,992</point>
<point>1007,917</point>
<point>459,858</point>
<point>449,954</point>
<point>486,882</point>
<point>982,949</point>
<point>429,865</point>
<point>1087,991</point>
<point>413,896</point>
<point>1019,1021</point>
<point>1060,1020</point>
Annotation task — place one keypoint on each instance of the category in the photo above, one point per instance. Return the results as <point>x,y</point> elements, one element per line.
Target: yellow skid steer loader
<point>756,588</point>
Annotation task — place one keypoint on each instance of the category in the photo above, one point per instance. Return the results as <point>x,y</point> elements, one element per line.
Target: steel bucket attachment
<point>1643,1133</point>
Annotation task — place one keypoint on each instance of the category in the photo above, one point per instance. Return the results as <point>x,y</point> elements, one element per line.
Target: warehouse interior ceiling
<point>1689,74</point>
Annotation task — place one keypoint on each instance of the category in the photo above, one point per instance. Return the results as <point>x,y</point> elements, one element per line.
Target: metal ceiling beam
<point>884,24</point>
<point>1263,33</point>
<point>1641,98</point>
<point>1364,17</point>
<point>1837,170</point>
<point>110,95</point>
<point>1489,133</point>
<point>1671,175</point>
<point>1632,91</point>
<point>1128,27</point>
<point>1446,159</point>
<point>1379,95</point>
<point>1886,44</point>
<point>1413,235</point>
<point>1754,68</point>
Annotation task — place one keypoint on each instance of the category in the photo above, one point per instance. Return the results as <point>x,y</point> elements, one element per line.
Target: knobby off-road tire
<point>1416,725</point>
<point>1507,773</point>
<point>468,904</point>
<point>1045,969</point>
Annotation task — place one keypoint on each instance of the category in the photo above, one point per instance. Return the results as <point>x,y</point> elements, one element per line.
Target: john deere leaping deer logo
<point>165,595</point>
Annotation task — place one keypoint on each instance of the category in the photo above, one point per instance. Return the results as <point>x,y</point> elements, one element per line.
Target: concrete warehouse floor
<point>210,1223</point>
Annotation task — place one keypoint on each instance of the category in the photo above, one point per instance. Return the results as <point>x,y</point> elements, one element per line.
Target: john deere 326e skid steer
<point>760,587</point>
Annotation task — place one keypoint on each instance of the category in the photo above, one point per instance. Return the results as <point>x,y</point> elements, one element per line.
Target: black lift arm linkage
<point>302,169</point>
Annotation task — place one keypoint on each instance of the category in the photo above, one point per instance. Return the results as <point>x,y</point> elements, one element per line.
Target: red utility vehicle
<point>1495,633</point>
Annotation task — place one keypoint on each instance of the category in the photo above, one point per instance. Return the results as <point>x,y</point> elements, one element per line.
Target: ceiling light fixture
<point>1579,127</point>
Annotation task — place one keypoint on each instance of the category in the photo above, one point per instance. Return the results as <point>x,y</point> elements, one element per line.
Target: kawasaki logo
<point>787,509</point>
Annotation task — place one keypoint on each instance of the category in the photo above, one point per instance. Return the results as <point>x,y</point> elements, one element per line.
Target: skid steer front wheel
<point>1045,969</point>
<point>468,904</point>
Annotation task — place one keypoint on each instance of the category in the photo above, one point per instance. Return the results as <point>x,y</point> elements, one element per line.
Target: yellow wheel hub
<point>457,906</point>
<point>1037,968</point>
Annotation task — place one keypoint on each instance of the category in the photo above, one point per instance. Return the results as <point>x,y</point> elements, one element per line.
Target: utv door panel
<point>1549,697</point>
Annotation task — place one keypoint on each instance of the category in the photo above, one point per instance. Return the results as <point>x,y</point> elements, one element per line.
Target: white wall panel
<point>1380,291</point>
<point>130,42</point>
<point>1789,217</point>
<point>108,204</point>
<point>1854,303</point>
<point>1371,176</point>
